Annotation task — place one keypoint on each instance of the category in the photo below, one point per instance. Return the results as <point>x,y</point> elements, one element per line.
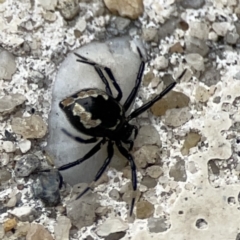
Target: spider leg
<point>130,142</point>
<point>78,139</point>
<point>150,103</point>
<point>101,170</point>
<point>129,157</point>
<point>80,160</point>
<point>98,68</point>
<point>134,91</point>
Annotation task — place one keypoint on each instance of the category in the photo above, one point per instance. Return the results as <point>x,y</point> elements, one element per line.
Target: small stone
<point>81,25</point>
<point>157,225</point>
<point>2,233</point>
<point>101,211</point>
<point>10,102</point>
<point>149,182</point>
<point>7,65</point>
<point>114,236</point>
<point>4,159</point>
<point>147,154</point>
<point>183,25</point>
<point>122,23</point>
<point>177,117</point>
<point>114,194</point>
<point>9,224</point>
<point>127,172</point>
<point>81,212</point>
<point>62,228</point>
<point>148,34</point>
<point>202,94</point>
<point>24,145</point>
<point>178,171</point>
<point>199,30</point>
<point>38,232</point>
<point>210,76</point>
<point>4,175</point>
<point>196,4</point>
<point>231,38</point>
<point>147,135</point>
<point>46,187</point>
<point>144,209</point>
<point>26,165</point>
<point>221,28</point>
<point>29,127</point>
<point>147,78</point>
<point>48,5</point>
<point>176,48</point>
<point>155,82</point>
<point>195,45</point>
<point>125,8</point>
<point>217,99</point>
<point>68,8</point>
<point>195,60</point>
<point>8,146</point>
<point>171,100</point>
<point>192,167</point>
<point>111,225</point>
<point>22,229</point>
<point>191,141</point>
<point>160,63</point>
<point>12,202</point>
<point>50,16</point>
<point>22,213</point>
<point>154,171</point>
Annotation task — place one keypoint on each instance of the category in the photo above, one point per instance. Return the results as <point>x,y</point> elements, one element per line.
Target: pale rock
<point>24,145</point>
<point>8,146</point>
<point>21,212</point>
<point>48,5</point>
<point>125,8</point>
<point>157,225</point>
<point>148,34</point>
<point>4,159</point>
<point>22,229</point>
<point>196,4</point>
<point>116,54</point>
<point>7,65</point>
<point>213,36</point>
<point>160,63</point>
<point>62,228</point>
<point>81,24</point>
<point>154,171</point>
<point>202,94</point>
<point>147,135</point>
<point>147,154</point>
<point>111,225</point>
<point>231,37</point>
<point>122,23</point>
<point>12,201</point>
<point>221,28</point>
<point>199,30</point>
<point>177,117</point>
<point>81,212</point>
<point>10,102</point>
<point>38,232</point>
<point>29,127</point>
<point>196,61</point>
<point>1,231</point>
<point>50,16</point>
<point>114,194</point>
<point>68,8</point>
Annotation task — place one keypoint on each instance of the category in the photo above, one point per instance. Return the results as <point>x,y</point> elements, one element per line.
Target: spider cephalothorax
<point>99,114</point>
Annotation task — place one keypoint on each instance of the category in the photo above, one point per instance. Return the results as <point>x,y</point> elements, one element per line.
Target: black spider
<point>97,113</point>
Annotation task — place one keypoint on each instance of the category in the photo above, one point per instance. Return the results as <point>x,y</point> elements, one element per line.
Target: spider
<point>99,114</point>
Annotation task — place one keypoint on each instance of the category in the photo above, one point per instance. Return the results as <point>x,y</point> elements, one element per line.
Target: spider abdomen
<point>93,112</point>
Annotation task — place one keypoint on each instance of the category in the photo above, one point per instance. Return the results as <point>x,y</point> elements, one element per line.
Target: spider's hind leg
<point>101,170</point>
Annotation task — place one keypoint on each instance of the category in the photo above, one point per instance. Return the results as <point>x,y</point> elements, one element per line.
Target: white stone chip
<point>8,146</point>
<point>111,225</point>
<point>24,145</point>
